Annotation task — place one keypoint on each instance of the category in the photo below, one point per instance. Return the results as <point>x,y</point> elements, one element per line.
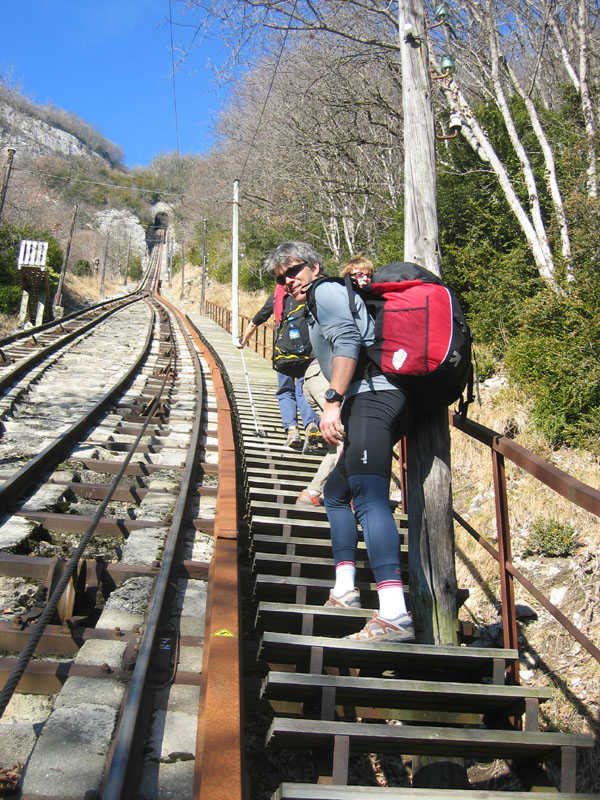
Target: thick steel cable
<point>116,777</point>
<point>287,30</point>
<point>44,620</point>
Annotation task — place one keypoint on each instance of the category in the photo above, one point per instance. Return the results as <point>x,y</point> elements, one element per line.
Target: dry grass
<point>78,291</point>
<point>549,655</point>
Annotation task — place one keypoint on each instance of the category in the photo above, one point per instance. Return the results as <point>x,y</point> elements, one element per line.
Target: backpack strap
<point>464,402</point>
<point>346,280</point>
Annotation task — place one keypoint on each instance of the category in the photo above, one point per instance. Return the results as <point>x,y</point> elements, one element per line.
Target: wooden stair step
<point>301,470</point>
<point>308,566</point>
<point>294,618</point>
<point>287,588</point>
<point>265,481</point>
<point>302,545</point>
<point>323,791</point>
<point>436,695</point>
<point>423,740</point>
<point>456,663</point>
<point>260,521</point>
<point>288,510</point>
<point>284,456</point>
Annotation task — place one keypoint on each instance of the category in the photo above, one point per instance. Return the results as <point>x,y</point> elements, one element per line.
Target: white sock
<point>345,572</point>
<point>391,600</point>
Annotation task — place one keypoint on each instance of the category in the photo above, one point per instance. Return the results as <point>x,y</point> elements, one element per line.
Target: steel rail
<point>218,767</point>
<point>54,452</point>
<point>120,778</point>
<point>50,607</point>
<point>33,360</point>
<point>47,327</point>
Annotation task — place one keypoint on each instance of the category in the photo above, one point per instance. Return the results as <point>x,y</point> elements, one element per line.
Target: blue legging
<point>373,423</point>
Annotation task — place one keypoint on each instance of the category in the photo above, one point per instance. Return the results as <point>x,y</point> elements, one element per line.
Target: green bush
<point>10,298</point>
<point>551,538</point>
<point>135,268</point>
<point>82,267</point>
<point>486,363</point>
<point>555,358</point>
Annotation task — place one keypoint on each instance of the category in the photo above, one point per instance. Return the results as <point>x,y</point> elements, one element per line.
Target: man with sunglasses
<point>368,414</point>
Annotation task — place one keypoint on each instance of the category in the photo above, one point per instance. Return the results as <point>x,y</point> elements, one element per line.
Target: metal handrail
<point>261,339</point>
<point>572,489</point>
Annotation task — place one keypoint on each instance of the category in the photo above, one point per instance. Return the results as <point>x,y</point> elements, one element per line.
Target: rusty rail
<point>572,489</point>
<point>218,764</point>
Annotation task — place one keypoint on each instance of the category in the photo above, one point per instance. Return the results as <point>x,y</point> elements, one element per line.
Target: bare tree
<point>507,49</point>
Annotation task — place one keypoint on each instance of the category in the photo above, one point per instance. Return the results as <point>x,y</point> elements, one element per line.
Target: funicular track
<point>335,698</point>
<point>102,659</point>
<point>22,351</point>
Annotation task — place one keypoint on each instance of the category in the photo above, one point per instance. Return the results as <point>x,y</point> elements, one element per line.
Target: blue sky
<point>109,62</point>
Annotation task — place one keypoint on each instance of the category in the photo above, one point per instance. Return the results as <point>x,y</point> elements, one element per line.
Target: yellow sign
<point>223,632</point>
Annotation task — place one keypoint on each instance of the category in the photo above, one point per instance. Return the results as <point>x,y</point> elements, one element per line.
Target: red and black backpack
<point>422,340</point>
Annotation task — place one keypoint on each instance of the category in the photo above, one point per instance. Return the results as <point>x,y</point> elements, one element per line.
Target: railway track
<point>157,611</point>
<point>104,556</point>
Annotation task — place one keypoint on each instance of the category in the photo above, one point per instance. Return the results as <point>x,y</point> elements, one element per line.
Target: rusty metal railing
<point>572,489</point>
<point>261,340</point>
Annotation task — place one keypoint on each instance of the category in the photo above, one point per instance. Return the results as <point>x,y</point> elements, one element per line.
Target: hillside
<point>36,130</point>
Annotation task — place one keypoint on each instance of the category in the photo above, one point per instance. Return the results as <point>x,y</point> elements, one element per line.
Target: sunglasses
<point>291,272</point>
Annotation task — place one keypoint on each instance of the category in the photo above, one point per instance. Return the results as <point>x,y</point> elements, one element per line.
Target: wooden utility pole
<point>103,278</point>
<point>127,259</point>
<point>10,154</point>
<point>432,575</point>
<point>63,269</point>
<point>182,270</point>
<point>234,262</point>
<point>203,290</point>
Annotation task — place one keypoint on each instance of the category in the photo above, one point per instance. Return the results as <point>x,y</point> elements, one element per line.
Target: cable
<point>287,30</point>
<point>69,178</point>
<point>173,79</point>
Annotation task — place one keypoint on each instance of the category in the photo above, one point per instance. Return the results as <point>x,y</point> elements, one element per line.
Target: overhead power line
<point>75,178</point>
<point>173,78</point>
<point>287,30</point>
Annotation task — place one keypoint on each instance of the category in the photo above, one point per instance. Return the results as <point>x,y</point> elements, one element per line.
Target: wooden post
<point>59,289</point>
<point>10,154</point>
<point>103,278</point>
<point>432,576</point>
<point>182,270</point>
<point>234,260</point>
<point>203,290</point>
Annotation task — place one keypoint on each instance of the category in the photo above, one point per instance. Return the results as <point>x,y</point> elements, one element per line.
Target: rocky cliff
<point>37,131</point>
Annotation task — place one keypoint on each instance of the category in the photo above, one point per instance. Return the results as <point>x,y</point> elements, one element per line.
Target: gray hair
<point>291,251</point>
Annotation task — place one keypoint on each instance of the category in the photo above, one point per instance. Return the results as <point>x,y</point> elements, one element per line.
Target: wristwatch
<point>333,397</point>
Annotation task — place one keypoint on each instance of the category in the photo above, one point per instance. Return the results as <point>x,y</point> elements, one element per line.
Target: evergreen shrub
<point>82,267</point>
<point>555,358</point>
<point>10,298</point>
